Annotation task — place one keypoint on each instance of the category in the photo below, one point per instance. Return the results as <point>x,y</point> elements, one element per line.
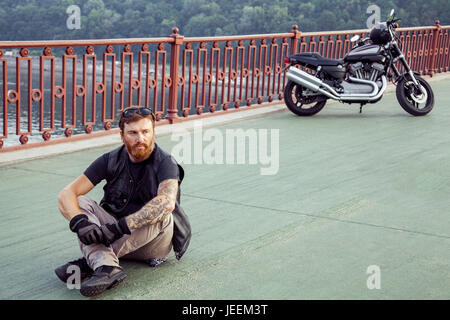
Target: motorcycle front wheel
<point>417,103</point>
<point>298,103</point>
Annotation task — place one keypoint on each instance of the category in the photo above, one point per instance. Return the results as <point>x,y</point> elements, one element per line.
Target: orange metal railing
<point>68,87</point>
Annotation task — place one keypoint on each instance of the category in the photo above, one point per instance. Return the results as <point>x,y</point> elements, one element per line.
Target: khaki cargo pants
<point>150,241</point>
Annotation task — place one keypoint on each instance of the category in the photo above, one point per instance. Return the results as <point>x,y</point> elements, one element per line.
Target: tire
<point>292,94</point>
<point>410,101</point>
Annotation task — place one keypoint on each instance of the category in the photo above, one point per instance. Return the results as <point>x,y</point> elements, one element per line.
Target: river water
<point>13,139</point>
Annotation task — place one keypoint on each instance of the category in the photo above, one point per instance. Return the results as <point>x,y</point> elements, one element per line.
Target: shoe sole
<point>95,290</point>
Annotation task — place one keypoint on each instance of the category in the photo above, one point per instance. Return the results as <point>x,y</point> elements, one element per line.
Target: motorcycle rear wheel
<point>417,104</point>
<point>298,104</point>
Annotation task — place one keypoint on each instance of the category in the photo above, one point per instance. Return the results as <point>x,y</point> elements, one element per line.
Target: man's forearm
<point>68,204</point>
<point>68,197</point>
<point>153,212</point>
<point>156,209</point>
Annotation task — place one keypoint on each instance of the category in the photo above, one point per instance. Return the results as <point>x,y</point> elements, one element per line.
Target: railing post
<point>172,111</point>
<point>294,39</point>
<point>434,49</point>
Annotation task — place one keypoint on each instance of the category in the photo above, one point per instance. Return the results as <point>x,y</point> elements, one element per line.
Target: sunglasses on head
<point>141,110</point>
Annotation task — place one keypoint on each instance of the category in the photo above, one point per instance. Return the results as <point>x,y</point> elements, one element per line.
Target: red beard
<point>140,154</point>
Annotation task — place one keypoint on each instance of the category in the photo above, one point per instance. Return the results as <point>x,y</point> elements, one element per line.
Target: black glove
<point>87,232</point>
<point>113,231</point>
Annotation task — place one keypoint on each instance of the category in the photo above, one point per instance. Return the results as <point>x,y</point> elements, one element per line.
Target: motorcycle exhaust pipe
<point>311,82</point>
<point>375,94</point>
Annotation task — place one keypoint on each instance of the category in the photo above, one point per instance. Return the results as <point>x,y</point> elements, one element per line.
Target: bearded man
<point>139,217</point>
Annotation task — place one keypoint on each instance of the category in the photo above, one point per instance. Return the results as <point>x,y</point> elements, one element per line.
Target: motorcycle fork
<point>415,85</point>
<point>401,57</point>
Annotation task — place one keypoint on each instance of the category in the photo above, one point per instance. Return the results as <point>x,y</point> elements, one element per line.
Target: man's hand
<point>87,232</point>
<point>113,231</point>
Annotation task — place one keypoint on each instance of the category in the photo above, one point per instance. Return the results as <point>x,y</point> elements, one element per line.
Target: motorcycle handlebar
<point>393,22</point>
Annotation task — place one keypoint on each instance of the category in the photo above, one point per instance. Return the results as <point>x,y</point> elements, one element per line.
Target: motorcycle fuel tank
<point>367,52</point>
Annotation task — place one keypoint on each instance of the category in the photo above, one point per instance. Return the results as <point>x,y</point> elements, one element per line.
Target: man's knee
<point>152,231</point>
<point>85,204</point>
<point>148,245</point>
<point>94,212</point>
<point>150,241</point>
<point>166,228</point>
<point>167,222</point>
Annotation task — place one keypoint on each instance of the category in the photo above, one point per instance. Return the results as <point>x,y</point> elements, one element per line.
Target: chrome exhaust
<point>315,84</point>
<point>311,82</point>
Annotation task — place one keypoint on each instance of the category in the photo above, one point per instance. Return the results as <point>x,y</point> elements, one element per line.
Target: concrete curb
<point>11,157</point>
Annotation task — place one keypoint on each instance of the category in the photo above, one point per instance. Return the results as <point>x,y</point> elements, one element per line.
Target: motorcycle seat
<point>315,59</point>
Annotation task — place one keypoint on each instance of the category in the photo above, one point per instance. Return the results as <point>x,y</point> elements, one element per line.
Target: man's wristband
<point>75,221</point>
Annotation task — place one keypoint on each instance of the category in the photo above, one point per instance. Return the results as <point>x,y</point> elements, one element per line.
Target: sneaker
<point>103,278</point>
<point>155,262</point>
<point>63,273</point>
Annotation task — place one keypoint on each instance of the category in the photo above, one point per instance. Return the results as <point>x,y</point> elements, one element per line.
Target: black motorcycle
<point>361,77</point>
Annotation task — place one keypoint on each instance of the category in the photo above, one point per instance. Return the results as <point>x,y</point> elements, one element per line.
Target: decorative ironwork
<point>209,73</point>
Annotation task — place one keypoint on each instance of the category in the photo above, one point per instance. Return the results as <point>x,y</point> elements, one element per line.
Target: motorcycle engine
<point>366,71</point>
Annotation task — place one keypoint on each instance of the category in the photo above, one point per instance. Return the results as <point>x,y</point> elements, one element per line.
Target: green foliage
<point>46,19</point>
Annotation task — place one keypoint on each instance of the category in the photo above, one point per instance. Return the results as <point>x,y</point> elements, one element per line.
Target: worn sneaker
<point>103,278</point>
<point>155,262</point>
<point>63,273</point>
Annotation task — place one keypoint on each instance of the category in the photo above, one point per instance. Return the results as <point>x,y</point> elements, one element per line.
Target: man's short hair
<point>135,116</point>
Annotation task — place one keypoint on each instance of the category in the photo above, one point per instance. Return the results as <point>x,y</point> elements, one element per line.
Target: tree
<point>46,19</point>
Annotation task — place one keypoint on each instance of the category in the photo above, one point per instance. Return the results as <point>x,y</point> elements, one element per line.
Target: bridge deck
<point>352,190</point>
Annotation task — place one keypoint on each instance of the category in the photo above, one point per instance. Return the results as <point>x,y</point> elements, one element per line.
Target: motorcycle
<point>361,77</point>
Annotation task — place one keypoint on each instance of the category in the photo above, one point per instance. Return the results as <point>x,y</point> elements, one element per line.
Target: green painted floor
<point>352,190</point>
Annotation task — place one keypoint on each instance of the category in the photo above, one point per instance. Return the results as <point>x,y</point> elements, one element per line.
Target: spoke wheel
<point>413,100</point>
<point>298,103</point>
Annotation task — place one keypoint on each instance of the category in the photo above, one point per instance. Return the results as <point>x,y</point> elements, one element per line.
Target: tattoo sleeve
<point>156,209</point>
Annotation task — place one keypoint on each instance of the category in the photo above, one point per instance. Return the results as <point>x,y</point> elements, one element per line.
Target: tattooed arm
<point>158,208</point>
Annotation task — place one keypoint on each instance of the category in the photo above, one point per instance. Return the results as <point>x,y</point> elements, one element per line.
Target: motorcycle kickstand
<point>360,108</point>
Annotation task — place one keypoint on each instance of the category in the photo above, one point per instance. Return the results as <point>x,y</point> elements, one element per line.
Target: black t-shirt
<point>166,169</point>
